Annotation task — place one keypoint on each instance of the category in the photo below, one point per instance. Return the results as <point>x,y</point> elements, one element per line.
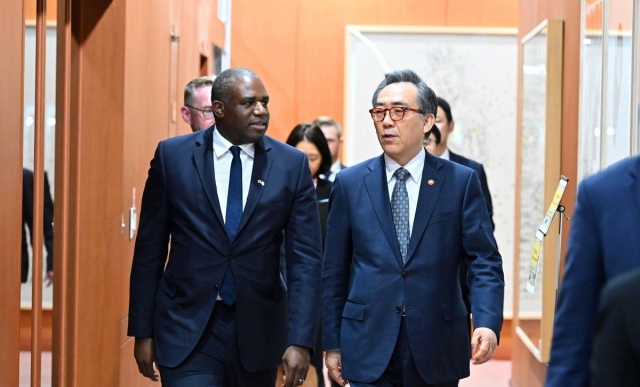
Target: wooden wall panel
<point>11,78</point>
<point>526,371</point>
<point>263,40</point>
<point>30,10</point>
<point>100,199</point>
<point>302,61</point>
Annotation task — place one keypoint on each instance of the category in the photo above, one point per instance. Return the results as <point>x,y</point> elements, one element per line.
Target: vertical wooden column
<point>11,111</point>
<point>62,211</point>
<point>38,196</point>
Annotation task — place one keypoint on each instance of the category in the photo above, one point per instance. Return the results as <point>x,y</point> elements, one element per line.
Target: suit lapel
<point>427,199</point>
<point>378,190</point>
<point>203,158</point>
<point>261,168</point>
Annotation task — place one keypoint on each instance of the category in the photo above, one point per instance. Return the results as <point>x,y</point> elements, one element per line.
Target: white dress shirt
<point>335,168</point>
<point>446,155</point>
<point>222,158</point>
<point>415,167</point>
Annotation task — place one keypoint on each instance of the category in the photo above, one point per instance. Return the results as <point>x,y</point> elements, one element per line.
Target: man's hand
<point>295,365</point>
<point>145,354</point>
<point>333,362</point>
<point>49,278</point>
<point>483,344</point>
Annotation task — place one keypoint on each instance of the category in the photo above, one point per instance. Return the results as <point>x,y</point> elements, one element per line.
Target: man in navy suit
<point>398,228</point>
<point>604,243</point>
<point>220,314</point>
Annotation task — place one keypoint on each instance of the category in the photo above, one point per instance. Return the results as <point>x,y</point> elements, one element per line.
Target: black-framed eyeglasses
<point>207,112</point>
<point>396,113</point>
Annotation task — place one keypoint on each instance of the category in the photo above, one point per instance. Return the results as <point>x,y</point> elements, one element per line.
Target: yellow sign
<point>535,258</point>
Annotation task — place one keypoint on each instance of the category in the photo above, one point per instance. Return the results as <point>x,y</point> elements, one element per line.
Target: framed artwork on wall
<point>540,133</point>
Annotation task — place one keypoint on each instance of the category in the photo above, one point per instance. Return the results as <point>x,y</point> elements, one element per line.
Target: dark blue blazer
<point>604,242</point>
<point>180,204</point>
<point>365,283</point>
<point>476,166</point>
<point>464,275</point>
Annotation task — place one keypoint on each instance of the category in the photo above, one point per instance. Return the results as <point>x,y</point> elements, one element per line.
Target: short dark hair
<point>225,82</point>
<point>313,134</point>
<point>446,108</point>
<point>191,87</point>
<point>425,97</point>
<point>436,133</point>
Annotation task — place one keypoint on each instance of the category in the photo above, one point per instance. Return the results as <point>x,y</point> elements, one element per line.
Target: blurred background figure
<point>333,133</point>
<point>310,139</point>
<point>432,139</point>
<point>27,222</point>
<point>604,242</point>
<point>197,110</point>
<point>615,361</point>
<point>445,123</point>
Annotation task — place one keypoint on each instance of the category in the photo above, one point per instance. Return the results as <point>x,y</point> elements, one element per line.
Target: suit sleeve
<point>48,223</point>
<point>487,195</point>
<point>151,249</point>
<point>303,253</point>
<point>613,362</point>
<point>336,269</point>
<point>577,302</point>
<point>483,259</point>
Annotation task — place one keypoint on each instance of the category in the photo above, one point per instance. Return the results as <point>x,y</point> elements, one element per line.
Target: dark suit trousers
<point>215,361</point>
<point>401,371</point>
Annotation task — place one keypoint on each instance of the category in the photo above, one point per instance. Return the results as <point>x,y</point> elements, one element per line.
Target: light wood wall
<point>526,370</point>
<point>11,99</point>
<point>297,48</point>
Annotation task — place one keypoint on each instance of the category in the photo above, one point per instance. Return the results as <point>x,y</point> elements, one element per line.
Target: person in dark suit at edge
<point>446,124</point>
<point>615,359</point>
<point>604,243</point>
<point>27,222</point>
<point>220,313</point>
<point>399,226</point>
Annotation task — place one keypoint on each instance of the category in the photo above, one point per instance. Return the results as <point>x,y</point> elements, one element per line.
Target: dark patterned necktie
<point>232,221</point>
<point>400,211</point>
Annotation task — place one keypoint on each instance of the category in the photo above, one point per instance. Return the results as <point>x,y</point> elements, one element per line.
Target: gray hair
<point>190,89</point>
<point>425,97</point>
<point>226,81</point>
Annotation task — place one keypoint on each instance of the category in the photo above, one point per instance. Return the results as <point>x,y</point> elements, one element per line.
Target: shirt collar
<point>221,145</point>
<point>415,166</point>
<point>336,167</point>
<point>446,154</point>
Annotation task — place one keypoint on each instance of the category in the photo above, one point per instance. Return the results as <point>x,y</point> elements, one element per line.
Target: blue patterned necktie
<point>400,211</point>
<point>232,221</point>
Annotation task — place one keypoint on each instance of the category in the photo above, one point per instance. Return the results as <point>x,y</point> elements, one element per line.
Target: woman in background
<point>309,139</point>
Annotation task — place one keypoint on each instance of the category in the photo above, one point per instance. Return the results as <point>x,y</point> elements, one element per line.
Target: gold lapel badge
<point>431,182</point>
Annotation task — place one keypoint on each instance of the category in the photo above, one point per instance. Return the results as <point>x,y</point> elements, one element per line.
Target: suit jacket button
<point>398,309</point>
<point>405,275</point>
<point>215,287</point>
<point>230,259</point>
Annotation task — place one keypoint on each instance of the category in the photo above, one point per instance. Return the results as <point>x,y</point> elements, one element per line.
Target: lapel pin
<point>431,182</point>
<point>261,182</point>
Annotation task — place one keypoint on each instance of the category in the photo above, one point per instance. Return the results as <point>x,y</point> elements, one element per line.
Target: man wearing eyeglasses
<point>197,110</point>
<point>399,227</point>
